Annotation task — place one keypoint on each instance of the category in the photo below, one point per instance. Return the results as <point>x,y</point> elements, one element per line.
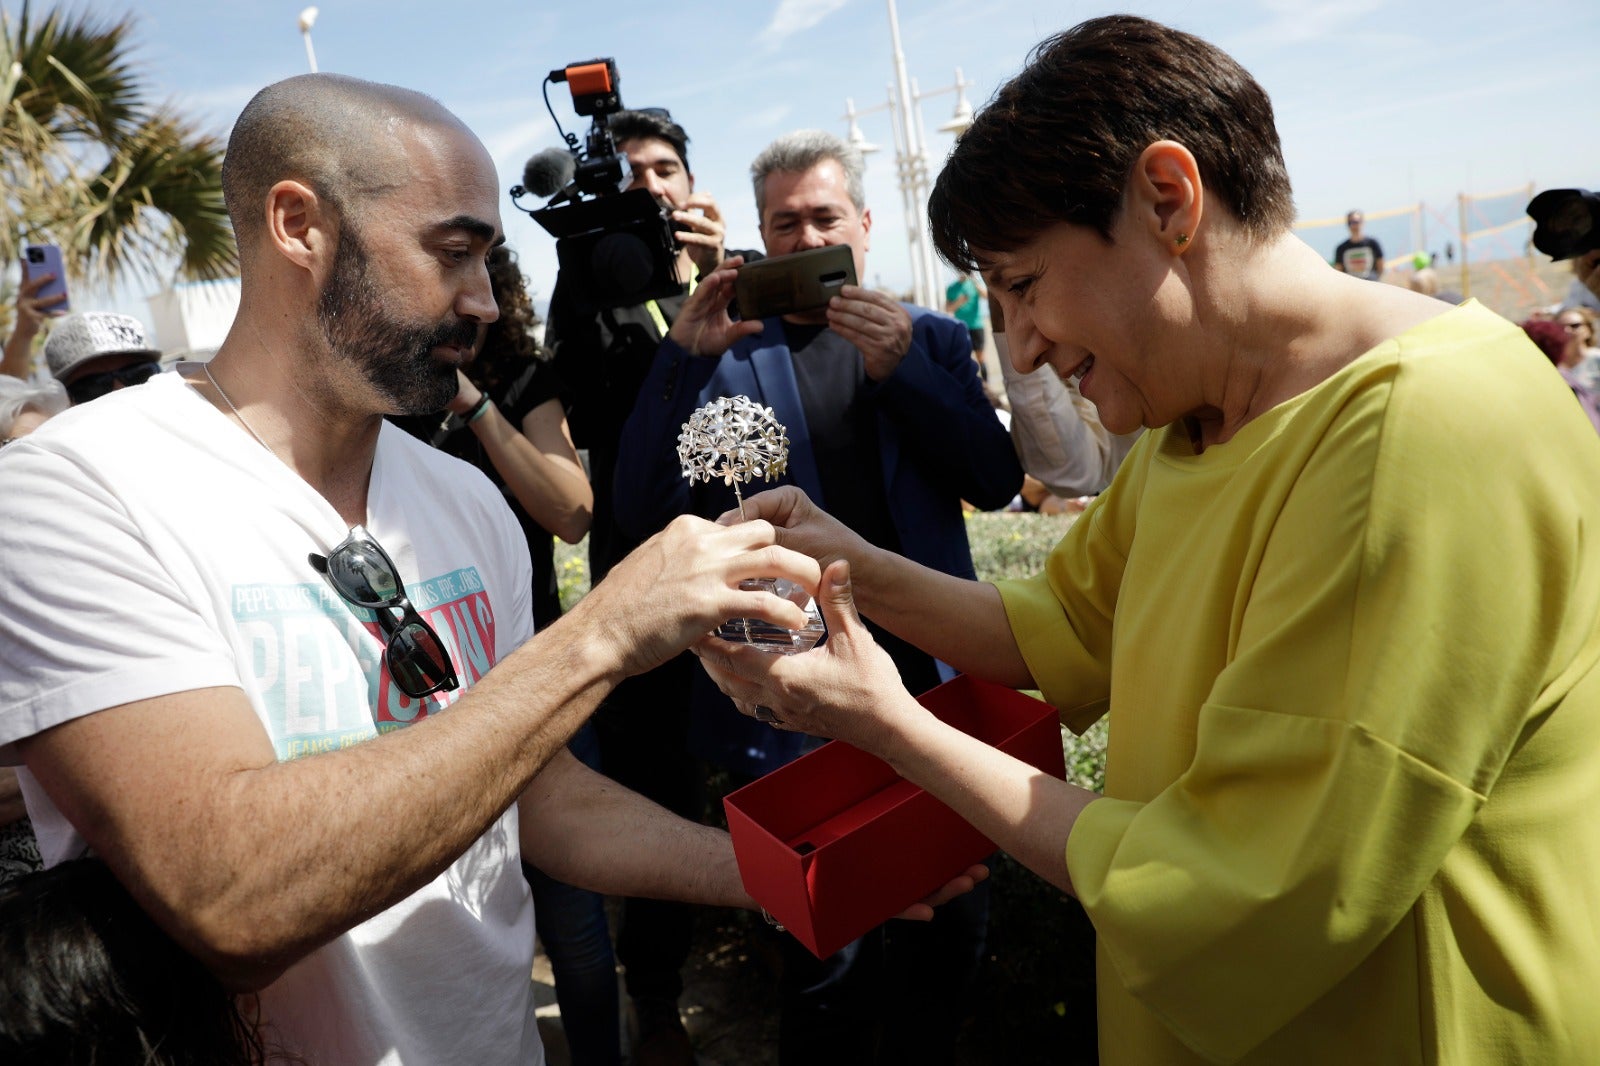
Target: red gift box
<point>835,843</point>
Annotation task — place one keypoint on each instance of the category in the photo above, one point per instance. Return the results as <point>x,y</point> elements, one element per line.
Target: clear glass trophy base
<point>759,633</point>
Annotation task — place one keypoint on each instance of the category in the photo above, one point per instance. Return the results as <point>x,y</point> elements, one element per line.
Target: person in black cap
<point>1360,255</point>
<point>96,352</point>
<point>1567,226</point>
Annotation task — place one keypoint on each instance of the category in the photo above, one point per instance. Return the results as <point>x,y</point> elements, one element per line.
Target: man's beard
<point>395,356</point>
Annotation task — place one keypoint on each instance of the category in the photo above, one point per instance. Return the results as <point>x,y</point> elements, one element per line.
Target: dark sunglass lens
<point>418,662</point>
<point>138,374</point>
<point>90,388</point>
<point>363,575</point>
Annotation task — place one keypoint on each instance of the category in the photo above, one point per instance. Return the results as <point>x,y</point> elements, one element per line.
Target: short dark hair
<point>90,978</point>
<point>511,342</point>
<point>657,123</point>
<point>1058,142</point>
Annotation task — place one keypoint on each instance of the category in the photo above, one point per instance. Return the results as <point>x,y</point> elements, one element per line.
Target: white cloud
<point>795,16</point>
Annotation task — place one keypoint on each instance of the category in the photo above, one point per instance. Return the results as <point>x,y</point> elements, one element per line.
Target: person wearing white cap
<point>95,352</point>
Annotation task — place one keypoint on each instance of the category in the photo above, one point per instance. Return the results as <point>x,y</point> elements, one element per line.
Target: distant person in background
<point>1426,281</point>
<point>965,298</point>
<point>1585,288</point>
<point>96,352</point>
<point>32,310</point>
<point>1565,352</point>
<point>24,406</point>
<point>1567,226</point>
<point>1359,255</point>
<point>1579,324</point>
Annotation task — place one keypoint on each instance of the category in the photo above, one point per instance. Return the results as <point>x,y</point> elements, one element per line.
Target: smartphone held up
<point>39,260</point>
<point>787,284</point>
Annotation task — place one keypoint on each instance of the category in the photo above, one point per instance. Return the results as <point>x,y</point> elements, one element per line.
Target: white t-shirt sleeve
<point>91,618</point>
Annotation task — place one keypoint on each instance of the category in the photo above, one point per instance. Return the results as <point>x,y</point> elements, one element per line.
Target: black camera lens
<point>35,255</point>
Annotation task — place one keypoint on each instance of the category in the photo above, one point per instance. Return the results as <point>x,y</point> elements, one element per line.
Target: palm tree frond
<point>123,188</point>
<point>76,76</point>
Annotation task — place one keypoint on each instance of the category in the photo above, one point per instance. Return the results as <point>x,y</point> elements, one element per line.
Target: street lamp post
<point>308,18</point>
<point>911,160</point>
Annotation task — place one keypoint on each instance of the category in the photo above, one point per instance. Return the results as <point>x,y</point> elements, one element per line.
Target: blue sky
<point>1380,103</point>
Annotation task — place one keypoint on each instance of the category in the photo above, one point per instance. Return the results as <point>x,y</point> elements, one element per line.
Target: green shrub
<point>572,571</point>
<point>1006,545</point>
<point>1012,544</point>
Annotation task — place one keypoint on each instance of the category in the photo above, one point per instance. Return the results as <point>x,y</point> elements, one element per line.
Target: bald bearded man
<point>239,605</point>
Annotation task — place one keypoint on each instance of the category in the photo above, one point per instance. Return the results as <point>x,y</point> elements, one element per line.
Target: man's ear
<point>1166,194</point>
<point>866,228</point>
<point>301,225</point>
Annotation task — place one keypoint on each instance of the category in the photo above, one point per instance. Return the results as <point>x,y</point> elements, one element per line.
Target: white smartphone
<point>40,259</point>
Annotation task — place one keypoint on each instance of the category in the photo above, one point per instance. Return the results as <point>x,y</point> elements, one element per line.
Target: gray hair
<point>798,152</point>
<point>17,396</point>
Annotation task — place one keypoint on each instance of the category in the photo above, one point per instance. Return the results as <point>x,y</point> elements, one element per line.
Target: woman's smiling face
<point>1092,310</point>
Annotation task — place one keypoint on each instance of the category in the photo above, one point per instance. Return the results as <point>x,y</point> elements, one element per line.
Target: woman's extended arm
<point>959,621</point>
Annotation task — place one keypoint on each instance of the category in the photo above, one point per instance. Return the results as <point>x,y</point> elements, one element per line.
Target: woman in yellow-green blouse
<point>1342,604</point>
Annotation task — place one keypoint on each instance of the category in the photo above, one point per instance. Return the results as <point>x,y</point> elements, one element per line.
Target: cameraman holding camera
<point>601,357</point>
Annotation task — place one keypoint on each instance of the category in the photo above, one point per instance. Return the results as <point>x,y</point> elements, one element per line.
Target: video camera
<point>615,247</point>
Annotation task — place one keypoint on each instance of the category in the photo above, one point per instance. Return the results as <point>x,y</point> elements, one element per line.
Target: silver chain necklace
<point>206,367</point>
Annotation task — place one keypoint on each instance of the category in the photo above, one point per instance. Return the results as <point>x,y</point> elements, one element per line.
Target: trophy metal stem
<point>749,638</point>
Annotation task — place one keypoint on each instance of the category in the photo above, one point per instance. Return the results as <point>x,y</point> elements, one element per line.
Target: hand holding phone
<point>703,325</point>
<point>44,281</point>
<point>787,284</point>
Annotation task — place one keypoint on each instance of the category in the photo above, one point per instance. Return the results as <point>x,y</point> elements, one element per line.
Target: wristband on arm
<point>477,410</point>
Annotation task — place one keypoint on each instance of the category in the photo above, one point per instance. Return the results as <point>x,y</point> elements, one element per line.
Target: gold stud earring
<point>1182,239</point>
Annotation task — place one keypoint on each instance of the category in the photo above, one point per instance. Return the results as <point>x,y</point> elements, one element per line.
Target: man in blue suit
<point>889,431</point>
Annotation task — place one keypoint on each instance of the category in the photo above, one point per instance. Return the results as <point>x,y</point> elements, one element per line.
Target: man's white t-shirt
<point>151,547</point>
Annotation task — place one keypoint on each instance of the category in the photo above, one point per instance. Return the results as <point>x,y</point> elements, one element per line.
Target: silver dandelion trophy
<point>737,440</point>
